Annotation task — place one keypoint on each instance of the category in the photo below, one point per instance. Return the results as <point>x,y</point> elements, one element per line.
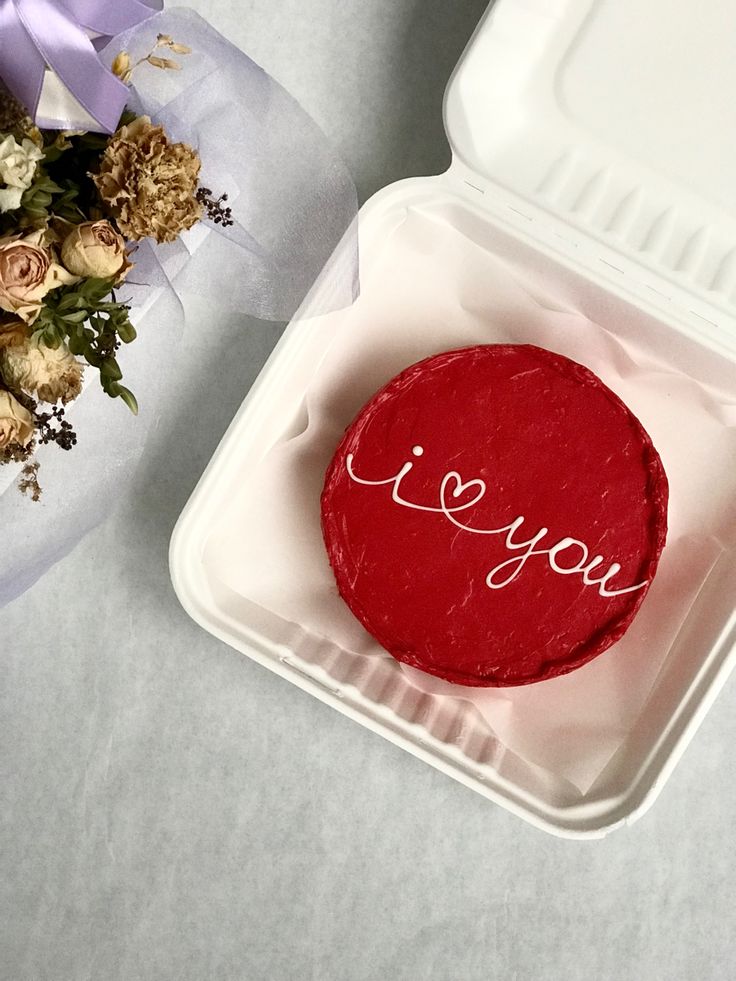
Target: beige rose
<point>94,248</point>
<point>27,273</point>
<point>12,330</point>
<point>16,422</point>
<point>51,374</point>
<point>23,271</point>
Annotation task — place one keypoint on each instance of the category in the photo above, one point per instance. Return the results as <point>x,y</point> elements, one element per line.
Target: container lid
<point>613,122</point>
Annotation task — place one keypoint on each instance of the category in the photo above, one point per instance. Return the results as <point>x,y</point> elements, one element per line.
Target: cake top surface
<point>495,515</point>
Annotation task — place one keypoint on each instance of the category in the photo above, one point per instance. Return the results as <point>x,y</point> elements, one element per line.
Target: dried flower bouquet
<point>73,205</point>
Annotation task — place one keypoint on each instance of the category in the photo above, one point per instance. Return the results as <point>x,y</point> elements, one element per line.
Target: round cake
<point>495,515</point>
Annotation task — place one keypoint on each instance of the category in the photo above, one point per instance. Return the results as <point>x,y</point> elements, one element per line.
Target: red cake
<point>495,515</point>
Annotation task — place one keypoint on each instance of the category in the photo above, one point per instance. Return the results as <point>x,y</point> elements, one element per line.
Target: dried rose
<point>13,330</point>
<point>27,273</point>
<point>149,184</point>
<point>94,248</point>
<point>24,269</point>
<point>51,374</point>
<point>17,166</point>
<point>16,422</point>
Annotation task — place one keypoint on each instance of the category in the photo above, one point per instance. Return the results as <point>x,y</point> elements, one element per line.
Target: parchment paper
<point>432,288</point>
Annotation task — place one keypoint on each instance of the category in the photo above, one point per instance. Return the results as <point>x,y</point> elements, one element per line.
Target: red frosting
<point>472,594</point>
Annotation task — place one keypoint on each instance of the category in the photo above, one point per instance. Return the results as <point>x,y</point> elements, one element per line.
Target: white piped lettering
<point>453,486</point>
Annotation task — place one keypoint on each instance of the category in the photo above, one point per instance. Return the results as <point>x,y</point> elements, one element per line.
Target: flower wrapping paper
<point>292,202</point>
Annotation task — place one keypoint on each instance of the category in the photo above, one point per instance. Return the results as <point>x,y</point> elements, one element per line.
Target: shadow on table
<point>412,140</point>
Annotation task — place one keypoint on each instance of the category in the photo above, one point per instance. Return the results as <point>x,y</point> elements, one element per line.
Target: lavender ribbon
<point>36,33</point>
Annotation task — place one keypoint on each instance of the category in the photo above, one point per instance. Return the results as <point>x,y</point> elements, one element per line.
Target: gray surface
<point>173,811</point>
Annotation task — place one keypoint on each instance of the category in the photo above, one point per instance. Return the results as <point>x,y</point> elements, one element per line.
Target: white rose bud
<point>50,374</point>
<point>94,248</point>
<point>16,422</point>
<point>17,166</point>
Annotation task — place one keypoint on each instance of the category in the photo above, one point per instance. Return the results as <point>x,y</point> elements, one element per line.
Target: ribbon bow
<point>36,33</point>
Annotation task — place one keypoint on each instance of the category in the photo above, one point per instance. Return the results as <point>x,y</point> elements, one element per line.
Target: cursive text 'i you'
<point>453,487</point>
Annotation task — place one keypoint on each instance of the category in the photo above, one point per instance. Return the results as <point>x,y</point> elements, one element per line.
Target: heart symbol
<point>458,490</point>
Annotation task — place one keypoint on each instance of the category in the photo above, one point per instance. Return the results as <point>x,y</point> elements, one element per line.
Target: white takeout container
<point>594,136</point>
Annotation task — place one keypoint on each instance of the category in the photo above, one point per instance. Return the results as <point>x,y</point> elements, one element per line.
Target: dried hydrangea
<point>51,374</point>
<point>149,184</point>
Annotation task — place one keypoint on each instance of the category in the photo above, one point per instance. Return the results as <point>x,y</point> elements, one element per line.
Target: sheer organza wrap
<point>292,201</point>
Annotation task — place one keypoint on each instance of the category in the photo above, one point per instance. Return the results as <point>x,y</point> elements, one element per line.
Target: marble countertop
<point>171,811</point>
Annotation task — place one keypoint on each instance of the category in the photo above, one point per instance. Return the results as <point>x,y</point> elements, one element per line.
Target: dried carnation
<point>51,374</point>
<point>149,184</point>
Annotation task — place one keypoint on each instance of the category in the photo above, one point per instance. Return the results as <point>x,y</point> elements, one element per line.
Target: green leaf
<point>53,337</point>
<point>76,344</point>
<point>127,332</point>
<point>70,302</point>
<point>111,369</point>
<point>45,317</point>
<point>96,289</point>
<point>130,400</point>
<point>78,317</point>
<point>92,357</point>
<point>50,186</point>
